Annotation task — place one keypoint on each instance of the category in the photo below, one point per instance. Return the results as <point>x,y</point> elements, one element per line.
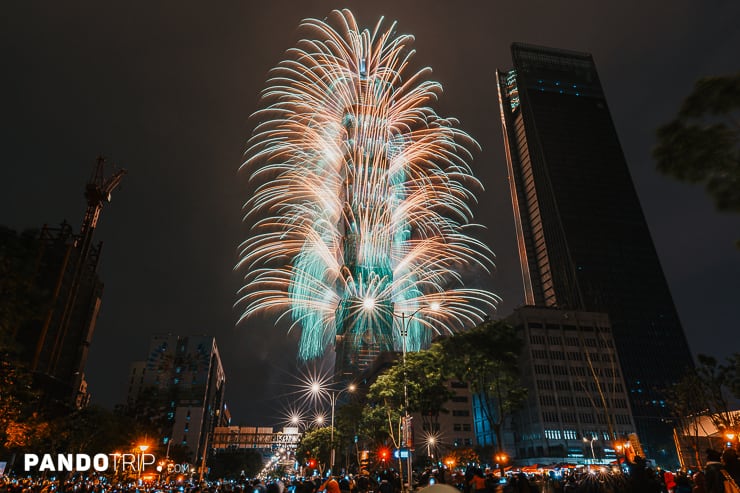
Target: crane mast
<point>98,191</point>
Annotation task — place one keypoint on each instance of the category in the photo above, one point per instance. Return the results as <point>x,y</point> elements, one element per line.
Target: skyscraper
<point>362,201</point>
<point>583,240</point>
<point>183,379</point>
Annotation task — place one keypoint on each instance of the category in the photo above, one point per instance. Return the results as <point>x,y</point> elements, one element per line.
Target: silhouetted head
<point>713,455</point>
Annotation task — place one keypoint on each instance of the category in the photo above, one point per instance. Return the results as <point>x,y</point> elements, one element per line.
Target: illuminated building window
<point>553,434</point>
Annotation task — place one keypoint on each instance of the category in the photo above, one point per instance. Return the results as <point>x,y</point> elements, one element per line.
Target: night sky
<point>165,89</point>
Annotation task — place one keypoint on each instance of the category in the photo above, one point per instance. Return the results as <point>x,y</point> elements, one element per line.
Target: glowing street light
<point>731,436</point>
<point>317,389</point>
<point>431,441</point>
<point>143,447</point>
<point>501,460</point>
<point>593,455</point>
<point>369,304</point>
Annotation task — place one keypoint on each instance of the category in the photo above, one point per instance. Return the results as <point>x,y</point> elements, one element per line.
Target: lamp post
<point>731,436</point>
<point>369,304</point>
<point>593,455</point>
<point>143,447</point>
<point>405,321</point>
<point>431,441</point>
<point>333,394</point>
<point>116,458</point>
<point>405,486</point>
<point>501,459</point>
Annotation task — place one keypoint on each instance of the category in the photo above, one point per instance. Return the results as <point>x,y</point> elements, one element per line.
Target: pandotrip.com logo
<point>111,463</point>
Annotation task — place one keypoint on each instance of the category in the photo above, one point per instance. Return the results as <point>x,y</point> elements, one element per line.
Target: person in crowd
<point>700,485</point>
<point>713,477</point>
<point>731,464</point>
<point>669,480</point>
<point>477,483</point>
<point>331,485</point>
<point>683,483</point>
<point>385,485</point>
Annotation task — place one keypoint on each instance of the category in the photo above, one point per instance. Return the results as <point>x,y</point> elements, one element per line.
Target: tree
<point>460,457</point>
<point>381,419</point>
<point>708,390</point>
<point>427,384</point>
<point>20,299</point>
<point>716,380</point>
<point>30,433</point>
<point>21,303</point>
<point>733,374</point>
<point>92,429</point>
<point>426,390</point>
<point>421,382</point>
<point>702,145</point>
<point>17,399</point>
<point>347,425</point>
<point>485,358</point>
<point>687,402</point>
<point>315,445</point>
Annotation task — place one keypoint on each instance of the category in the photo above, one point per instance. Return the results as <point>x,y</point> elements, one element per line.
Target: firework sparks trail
<point>362,195</point>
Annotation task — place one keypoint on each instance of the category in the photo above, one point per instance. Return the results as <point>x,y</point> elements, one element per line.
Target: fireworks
<point>361,205</point>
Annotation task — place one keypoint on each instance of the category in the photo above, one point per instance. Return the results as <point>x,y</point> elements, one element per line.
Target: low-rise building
<point>577,408</point>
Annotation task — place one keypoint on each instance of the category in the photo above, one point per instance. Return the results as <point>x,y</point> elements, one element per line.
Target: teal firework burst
<point>360,213</point>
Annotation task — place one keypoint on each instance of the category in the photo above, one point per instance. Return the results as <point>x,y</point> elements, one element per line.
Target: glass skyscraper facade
<point>583,240</point>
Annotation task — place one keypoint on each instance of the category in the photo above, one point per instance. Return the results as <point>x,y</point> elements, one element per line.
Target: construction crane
<point>97,192</point>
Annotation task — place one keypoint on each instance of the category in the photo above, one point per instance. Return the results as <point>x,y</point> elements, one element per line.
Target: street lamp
<point>593,455</point>
<point>369,303</point>
<point>501,459</point>
<point>143,447</point>
<point>116,458</point>
<point>730,436</point>
<point>431,442</point>
<point>333,394</point>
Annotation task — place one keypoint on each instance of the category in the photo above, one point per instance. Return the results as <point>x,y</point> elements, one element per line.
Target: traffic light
<point>384,454</point>
<point>310,461</point>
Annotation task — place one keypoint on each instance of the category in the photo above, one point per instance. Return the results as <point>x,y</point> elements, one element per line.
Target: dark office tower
<point>583,240</point>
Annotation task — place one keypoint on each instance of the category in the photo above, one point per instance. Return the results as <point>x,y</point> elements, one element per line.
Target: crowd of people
<point>720,474</point>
